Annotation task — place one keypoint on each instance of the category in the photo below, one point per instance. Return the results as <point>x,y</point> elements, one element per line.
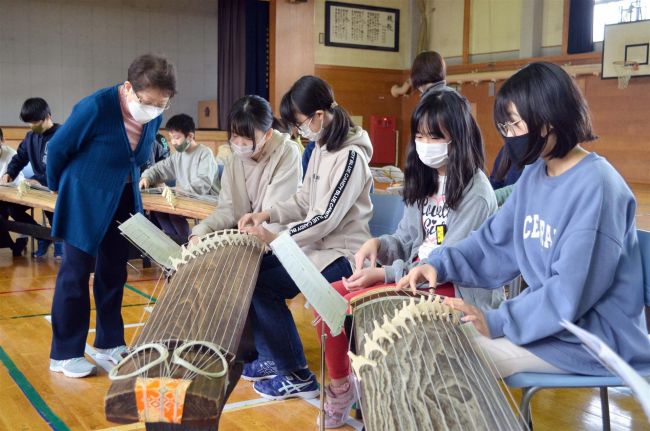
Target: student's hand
<point>265,235</point>
<point>416,275</point>
<point>144,183</point>
<point>194,239</point>
<point>364,278</point>
<point>253,219</point>
<point>32,182</point>
<point>368,251</point>
<point>471,314</point>
<point>5,179</point>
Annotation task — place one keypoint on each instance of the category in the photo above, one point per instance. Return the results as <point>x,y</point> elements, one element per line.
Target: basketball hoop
<point>624,71</point>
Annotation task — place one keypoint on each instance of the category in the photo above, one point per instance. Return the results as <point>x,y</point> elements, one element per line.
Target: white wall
<point>494,27</point>
<point>65,50</point>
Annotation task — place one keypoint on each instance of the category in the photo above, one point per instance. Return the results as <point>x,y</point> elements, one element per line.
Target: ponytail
<point>310,94</point>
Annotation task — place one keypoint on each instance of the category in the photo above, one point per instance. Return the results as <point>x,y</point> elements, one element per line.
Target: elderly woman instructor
<point>94,165</point>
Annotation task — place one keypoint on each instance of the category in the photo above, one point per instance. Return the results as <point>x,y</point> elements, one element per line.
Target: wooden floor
<point>33,398</point>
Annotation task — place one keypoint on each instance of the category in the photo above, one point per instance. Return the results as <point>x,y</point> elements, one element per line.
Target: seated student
<point>328,218</point>
<point>428,73</point>
<point>263,170</point>
<point>447,196</point>
<point>505,173</point>
<point>577,248</point>
<point>17,212</point>
<point>306,155</point>
<point>33,149</point>
<point>193,168</point>
<point>159,151</point>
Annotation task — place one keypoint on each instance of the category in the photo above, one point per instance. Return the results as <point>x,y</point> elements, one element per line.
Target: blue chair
<point>387,212</point>
<point>531,383</point>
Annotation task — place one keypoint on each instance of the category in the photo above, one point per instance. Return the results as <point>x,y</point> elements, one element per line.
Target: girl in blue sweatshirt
<point>568,227</point>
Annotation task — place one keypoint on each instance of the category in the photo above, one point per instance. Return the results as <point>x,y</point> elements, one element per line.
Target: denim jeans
<point>276,335</point>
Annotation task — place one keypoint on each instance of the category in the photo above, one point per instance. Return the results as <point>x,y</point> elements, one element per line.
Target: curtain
<point>231,74</point>
<point>257,48</point>
<point>581,26</point>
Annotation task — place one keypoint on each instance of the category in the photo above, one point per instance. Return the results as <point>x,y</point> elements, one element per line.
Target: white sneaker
<point>75,367</point>
<point>114,354</point>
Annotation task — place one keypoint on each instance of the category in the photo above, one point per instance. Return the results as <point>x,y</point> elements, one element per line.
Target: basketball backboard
<point>627,42</point>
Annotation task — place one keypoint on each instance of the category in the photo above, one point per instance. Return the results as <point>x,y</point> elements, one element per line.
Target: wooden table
<point>33,198</point>
<point>187,207</point>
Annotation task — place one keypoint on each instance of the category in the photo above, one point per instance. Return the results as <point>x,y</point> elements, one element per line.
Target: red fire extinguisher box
<point>384,139</point>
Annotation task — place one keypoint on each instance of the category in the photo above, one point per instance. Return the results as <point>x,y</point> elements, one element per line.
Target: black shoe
<point>19,247</point>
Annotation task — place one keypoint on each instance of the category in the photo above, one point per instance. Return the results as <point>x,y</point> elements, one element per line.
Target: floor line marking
<point>31,394</point>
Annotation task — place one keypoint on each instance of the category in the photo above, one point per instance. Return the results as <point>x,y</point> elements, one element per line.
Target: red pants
<point>336,348</point>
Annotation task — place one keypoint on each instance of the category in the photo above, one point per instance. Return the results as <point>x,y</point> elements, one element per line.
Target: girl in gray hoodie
<point>447,196</point>
<point>328,218</point>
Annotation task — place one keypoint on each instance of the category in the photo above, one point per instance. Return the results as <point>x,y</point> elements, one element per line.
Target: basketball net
<point>624,71</point>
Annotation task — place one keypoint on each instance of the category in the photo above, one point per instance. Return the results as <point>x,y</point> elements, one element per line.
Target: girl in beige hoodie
<point>328,218</point>
<point>264,169</point>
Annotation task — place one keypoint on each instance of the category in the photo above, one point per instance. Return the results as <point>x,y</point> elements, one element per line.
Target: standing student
<point>328,218</point>
<point>577,248</point>
<point>93,163</point>
<point>263,170</point>
<point>193,168</point>
<point>33,150</point>
<point>447,196</point>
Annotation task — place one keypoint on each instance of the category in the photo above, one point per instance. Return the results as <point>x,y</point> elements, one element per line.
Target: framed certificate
<point>350,25</point>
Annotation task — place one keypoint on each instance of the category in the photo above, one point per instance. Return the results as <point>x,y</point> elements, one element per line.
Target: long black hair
<point>448,111</point>
<point>310,94</point>
<point>546,97</point>
<point>248,114</point>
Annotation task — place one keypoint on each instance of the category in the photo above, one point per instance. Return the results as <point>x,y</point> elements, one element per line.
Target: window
<point>614,11</point>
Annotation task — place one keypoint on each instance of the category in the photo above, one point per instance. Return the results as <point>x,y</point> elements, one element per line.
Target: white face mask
<point>143,113</point>
<point>243,151</point>
<point>308,134</point>
<point>432,155</point>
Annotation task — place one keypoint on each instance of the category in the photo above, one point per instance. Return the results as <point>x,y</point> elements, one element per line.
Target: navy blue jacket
<point>511,177</point>
<point>33,149</point>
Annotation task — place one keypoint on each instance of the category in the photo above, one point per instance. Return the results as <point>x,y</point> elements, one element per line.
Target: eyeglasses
<point>508,128</point>
<point>299,125</point>
<point>163,107</point>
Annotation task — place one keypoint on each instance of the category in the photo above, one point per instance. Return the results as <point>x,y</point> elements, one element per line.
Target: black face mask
<point>517,147</point>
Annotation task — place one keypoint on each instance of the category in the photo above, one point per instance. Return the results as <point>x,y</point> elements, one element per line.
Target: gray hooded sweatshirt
<point>398,251</point>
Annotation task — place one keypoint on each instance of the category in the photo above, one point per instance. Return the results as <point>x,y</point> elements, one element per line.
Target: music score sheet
<point>614,363</point>
<point>327,302</point>
<point>151,240</point>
